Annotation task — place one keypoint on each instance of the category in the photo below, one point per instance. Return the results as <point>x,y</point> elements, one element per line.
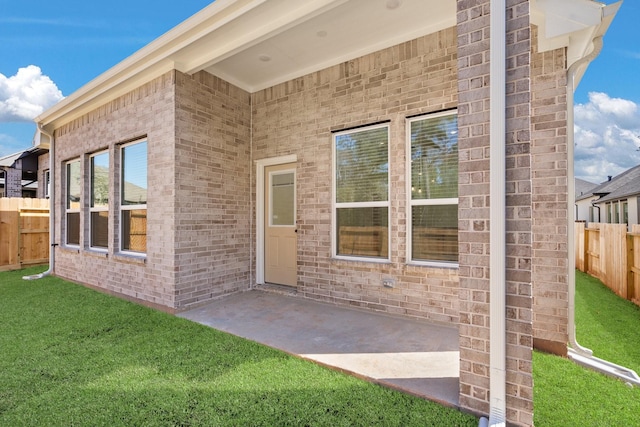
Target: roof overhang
<point>255,44</point>
<point>573,24</point>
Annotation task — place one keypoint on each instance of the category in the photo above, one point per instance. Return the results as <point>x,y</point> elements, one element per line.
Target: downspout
<point>576,352</point>
<point>497,194</point>
<point>597,207</point>
<point>52,204</point>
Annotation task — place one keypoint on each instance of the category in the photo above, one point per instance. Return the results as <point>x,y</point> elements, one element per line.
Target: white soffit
<point>572,24</point>
<point>255,44</point>
<point>346,30</point>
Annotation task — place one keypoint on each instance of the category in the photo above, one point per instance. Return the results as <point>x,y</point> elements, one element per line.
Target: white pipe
<point>571,250</point>
<point>497,241</point>
<point>578,353</point>
<point>52,203</point>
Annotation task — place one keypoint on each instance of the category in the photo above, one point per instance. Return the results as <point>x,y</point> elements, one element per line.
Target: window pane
<point>99,229</point>
<point>134,174</point>
<point>73,185</point>
<point>282,199</point>
<point>363,231</point>
<point>73,228</point>
<point>434,158</point>
<point>362,166</point>
<point>100,180</point>
<point>47,183</point>
<point>435,233</point>
<point>134,230</point>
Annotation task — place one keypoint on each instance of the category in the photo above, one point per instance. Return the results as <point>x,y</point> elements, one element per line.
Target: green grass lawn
<point>71,356</point>
<point>568,395</point>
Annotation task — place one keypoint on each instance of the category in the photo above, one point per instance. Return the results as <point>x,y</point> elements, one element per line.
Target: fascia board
<point>154,56</point>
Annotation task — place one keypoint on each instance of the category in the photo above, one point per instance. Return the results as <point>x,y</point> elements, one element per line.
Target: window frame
<point>93,208</point>
<point>335,206</point>
<point>47,183</point>
<point>123,207</point>
<point>423,202</point>
<point>68,209</point>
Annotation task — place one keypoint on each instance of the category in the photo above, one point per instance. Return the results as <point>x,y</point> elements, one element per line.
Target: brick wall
<point>147,111</point>
<point>549,160</point>
<point>474,180</point>
<point>297,117</point>
<point>43,165</point>
<point>13,180</point>
<point>213,205</point>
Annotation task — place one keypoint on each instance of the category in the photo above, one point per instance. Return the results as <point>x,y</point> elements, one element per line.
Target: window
<point>99,208</point>
<point>361,193</point>
<point>73,203</point>
<point>625,212</point>
<point>432,157</point>
<point>133,198</point>
<point>47,183</point>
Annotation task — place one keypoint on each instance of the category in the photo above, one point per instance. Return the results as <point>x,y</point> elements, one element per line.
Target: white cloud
<point>26,94</point>
<point>607,137</point>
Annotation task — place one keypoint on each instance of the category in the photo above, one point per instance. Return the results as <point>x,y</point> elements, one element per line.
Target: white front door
<point>280,239</point>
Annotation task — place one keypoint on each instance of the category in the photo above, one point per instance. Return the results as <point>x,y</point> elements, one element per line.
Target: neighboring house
<point>617,201</point>
<point>585,211</point>
<point>343,149</point>
<point>19,173</point>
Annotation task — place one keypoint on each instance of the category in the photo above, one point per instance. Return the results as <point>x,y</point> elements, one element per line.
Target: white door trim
<point>260,166</point>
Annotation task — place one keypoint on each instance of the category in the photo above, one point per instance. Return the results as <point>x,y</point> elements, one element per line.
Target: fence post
<point>585,250</point>
<point>631,274</point>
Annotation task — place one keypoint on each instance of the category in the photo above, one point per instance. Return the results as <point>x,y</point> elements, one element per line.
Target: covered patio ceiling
<point>255,44</point>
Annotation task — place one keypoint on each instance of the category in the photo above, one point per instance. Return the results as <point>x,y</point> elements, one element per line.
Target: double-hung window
<point>133,197</point>
<point>99,209</point>
<point>72,206</point>
<point>361,193</point>
<point>432,157</point>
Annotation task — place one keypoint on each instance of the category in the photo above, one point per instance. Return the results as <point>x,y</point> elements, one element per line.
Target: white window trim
<point>122,207</point>
<point>335,205</point>
<point>47,183</point>
<point>421,202</point>
<point>96,209</point>
<point>68,210</point>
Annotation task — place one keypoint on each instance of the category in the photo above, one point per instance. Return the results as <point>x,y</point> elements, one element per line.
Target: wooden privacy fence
<point>24,232</point>
<point>610,253</point>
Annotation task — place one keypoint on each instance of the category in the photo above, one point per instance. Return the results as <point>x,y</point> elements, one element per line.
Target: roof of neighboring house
<point>10,160</point>
<point>583,189</point>
<point>619,187</point>
<point>256,44</point>
<point>31,185</point>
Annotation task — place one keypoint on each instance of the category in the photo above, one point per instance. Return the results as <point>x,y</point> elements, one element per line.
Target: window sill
<point>434,264</point>
<point>362,259</point>
<point>96,252</point>
<point>70,249</point>
<point>131,258</point>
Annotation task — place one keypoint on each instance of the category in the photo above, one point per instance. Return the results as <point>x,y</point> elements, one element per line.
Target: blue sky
<point>62,45</point>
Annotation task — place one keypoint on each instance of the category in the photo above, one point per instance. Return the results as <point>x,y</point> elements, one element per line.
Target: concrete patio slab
<point>411,355</point>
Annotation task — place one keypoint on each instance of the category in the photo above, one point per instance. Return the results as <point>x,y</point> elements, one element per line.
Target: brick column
<point>549,161</point>
<point>474,204</point>
<point>13,180</point>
